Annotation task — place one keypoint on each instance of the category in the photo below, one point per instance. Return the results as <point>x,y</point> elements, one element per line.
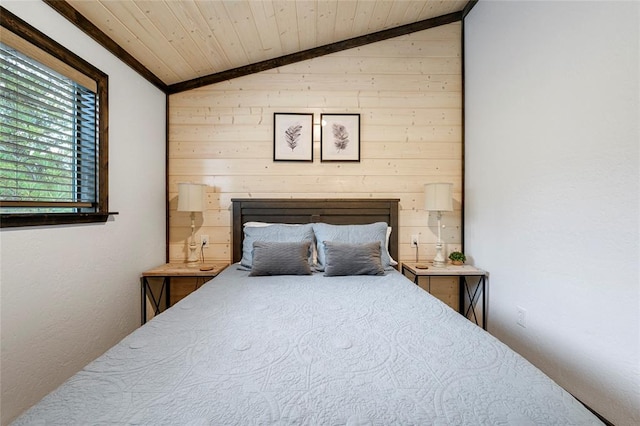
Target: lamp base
<point>192,260</point>
<point>439,260</point>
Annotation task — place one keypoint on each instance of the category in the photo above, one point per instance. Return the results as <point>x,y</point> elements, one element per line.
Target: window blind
<point>49,139</point>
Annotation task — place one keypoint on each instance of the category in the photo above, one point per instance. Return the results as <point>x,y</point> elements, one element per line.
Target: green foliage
<point>457,256</point>
<point>39,154</point>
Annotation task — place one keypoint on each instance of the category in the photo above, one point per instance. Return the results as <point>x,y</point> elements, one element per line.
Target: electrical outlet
<point>204,240</point>
<point>414,240</point>
<point>522,317</point>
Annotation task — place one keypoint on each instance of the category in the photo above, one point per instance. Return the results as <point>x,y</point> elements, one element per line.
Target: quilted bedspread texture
<point>313,350</point>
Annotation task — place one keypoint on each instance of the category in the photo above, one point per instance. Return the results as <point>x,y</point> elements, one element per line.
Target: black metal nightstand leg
<point>473,299</point>
<point>143,298</point>
<point>155,302</point>
<point>481,283</point>
<point>461,290</point>
<point>166,282</point>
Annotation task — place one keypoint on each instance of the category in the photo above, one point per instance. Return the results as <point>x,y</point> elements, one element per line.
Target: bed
<point>310,349</point>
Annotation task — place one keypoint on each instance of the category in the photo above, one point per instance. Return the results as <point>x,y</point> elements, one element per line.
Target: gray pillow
<point>353,234</point>
<point>273,233</point>
<point>352,259</point>
<point>275,258</point>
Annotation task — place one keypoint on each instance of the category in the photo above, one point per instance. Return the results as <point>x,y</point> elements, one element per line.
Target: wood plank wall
<point>408,93</point>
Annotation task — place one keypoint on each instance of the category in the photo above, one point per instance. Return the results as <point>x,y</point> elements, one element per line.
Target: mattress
<point>309,350</point>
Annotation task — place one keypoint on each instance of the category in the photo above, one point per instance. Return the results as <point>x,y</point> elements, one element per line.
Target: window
<point>53,139</point>
<point>48,157</point>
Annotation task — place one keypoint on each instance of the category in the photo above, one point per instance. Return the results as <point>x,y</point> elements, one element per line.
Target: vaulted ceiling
<point>174,42</point>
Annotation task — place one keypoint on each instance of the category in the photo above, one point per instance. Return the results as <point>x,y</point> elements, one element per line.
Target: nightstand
<point>469,296</point>
<point>166,272</point>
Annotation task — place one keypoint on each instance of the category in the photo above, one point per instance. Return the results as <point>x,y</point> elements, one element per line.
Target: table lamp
<point>191,199</point>
<point>438,198</point>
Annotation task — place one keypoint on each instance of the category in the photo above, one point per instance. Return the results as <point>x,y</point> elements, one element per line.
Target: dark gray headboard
<point>309,210</point>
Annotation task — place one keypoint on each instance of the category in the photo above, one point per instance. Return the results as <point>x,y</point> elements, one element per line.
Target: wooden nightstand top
<point>182,270</point>
<point>448,270</point>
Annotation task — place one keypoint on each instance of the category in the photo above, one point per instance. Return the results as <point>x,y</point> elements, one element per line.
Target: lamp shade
<point>190,197</point>
<point>438,197</point>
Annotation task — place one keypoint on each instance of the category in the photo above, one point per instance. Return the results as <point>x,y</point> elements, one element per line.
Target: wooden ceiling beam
<point>468,8</point>
<point>314,52</point>
<point>77,19</point>
<point>80,21</point>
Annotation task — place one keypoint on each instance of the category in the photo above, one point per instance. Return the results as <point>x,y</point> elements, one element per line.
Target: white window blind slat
<point>48,131</point>
<point>29,49</point>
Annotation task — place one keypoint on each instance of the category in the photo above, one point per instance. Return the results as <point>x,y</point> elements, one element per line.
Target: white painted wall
<point>71,292</point>
<point>552,188</point>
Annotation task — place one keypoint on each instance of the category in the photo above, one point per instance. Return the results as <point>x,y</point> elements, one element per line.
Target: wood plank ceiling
<point>185,40</point>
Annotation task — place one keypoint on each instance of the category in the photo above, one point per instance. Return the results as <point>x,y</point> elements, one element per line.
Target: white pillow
<point>392,262</point>
<point>259,224</point>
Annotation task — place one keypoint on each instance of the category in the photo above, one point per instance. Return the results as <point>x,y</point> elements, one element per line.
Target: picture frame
<point>292,136</point>
<point>340,137</point>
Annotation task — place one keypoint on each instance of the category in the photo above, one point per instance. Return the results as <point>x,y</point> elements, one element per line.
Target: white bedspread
<point>305,351</point>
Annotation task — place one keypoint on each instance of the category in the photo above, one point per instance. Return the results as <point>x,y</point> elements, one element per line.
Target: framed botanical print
<point>292,136</point>
<point>340,137</point>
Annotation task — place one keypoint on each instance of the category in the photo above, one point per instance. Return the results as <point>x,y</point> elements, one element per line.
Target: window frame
<point>53,48</point>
